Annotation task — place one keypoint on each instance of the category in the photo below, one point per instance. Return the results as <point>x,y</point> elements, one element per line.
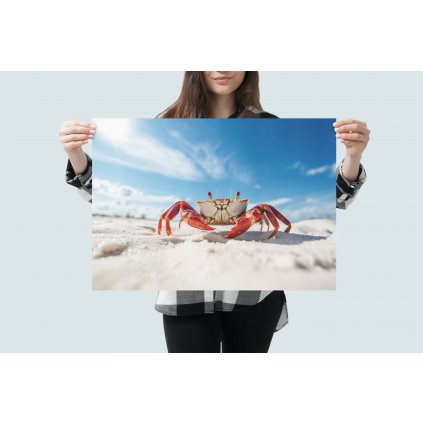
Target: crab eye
<point>210,195</point>
<point>237,195</point>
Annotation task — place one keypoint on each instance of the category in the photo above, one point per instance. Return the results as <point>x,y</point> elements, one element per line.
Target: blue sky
<point>142,166</point>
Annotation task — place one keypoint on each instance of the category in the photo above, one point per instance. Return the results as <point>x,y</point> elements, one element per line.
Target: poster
<point>222,204</point>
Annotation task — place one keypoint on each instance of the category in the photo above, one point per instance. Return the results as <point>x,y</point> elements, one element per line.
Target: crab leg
<point>273,221</point>
<point>263,217</point>
<point>169,214</point>
<point>272,213</point>
<point>188,214</point>
<point>280,216</point>
<point>261,223</point>
<point>259,213</point>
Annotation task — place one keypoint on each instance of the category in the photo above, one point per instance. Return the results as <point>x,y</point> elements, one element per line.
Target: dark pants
<point>249,330</point>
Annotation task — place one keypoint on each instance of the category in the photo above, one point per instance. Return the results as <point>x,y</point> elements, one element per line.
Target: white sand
<point>129,255</point>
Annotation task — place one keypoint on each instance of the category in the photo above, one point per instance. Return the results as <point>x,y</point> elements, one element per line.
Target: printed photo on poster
<point>187,204</point>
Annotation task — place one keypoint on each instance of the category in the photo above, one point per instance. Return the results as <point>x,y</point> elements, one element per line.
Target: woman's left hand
<point>354,134</point>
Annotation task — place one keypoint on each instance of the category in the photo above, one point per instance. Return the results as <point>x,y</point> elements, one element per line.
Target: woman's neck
<point>223,106</point>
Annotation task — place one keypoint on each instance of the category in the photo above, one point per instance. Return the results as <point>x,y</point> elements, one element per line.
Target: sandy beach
<point>128,254</point>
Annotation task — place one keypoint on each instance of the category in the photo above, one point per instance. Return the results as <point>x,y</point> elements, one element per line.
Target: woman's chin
<point>222,90</point>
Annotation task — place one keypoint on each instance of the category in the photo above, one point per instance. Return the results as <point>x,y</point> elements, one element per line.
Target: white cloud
<point>311,200</point>
<point>297,209</point>
<point>183,160</point>
<point>209,161</point>
<point>203,155</point>
<point>302,213</point>
<point>296,165</point>
<point>113,128</point>
<point>278,201</point>
<point>153,156</point>
<point>328,168</point>
<point>176,134</point>
<point>310,212</point>
<point>111,198</point>
<point>243,177</point>
<point>145,152</point>
<point>312,207</point>
<point>275,202</point>
<point>257,186</point>
<point>318,170</point>
<point>239,173</point>
<point>136,210</point>
<point>116,191</point>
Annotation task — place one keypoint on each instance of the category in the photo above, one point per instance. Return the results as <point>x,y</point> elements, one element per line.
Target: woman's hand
<point>354,134</point>
<point>74,134</point>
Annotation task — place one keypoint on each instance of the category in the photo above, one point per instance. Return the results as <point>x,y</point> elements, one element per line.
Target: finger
<point>78,123</point>
<point>348,144</point>
<point>354,127</point>
<point>75,144</point>
<point>346,122</point>
<point>74,137</point>
<point>66,130</point>
<point>353,137</point>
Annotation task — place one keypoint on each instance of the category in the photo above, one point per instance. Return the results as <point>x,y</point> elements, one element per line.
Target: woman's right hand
<point>74,134</point>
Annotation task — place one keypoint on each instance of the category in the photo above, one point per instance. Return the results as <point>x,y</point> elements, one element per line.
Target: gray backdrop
<point>46,302</point>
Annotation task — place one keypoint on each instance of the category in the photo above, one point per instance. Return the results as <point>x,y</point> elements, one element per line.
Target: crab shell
<point>222,211</point>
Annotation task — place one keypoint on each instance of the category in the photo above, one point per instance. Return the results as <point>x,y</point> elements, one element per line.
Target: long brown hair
<point>194,100</point>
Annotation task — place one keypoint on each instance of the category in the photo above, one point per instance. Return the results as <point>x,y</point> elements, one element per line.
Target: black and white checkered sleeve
<point>82,181</point>
<point>346,191</point>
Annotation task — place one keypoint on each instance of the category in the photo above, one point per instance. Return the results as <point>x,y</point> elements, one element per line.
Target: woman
<point>239,321</point>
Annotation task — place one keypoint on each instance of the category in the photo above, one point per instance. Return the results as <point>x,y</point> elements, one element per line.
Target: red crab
<point>224,211</point>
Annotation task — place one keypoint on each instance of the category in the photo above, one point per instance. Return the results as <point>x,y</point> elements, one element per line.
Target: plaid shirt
<point>197,302</point>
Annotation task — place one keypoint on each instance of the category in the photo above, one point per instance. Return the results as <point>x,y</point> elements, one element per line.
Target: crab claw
<point>195,220</point>
<point>241,226</point>
<point>199,223</point>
